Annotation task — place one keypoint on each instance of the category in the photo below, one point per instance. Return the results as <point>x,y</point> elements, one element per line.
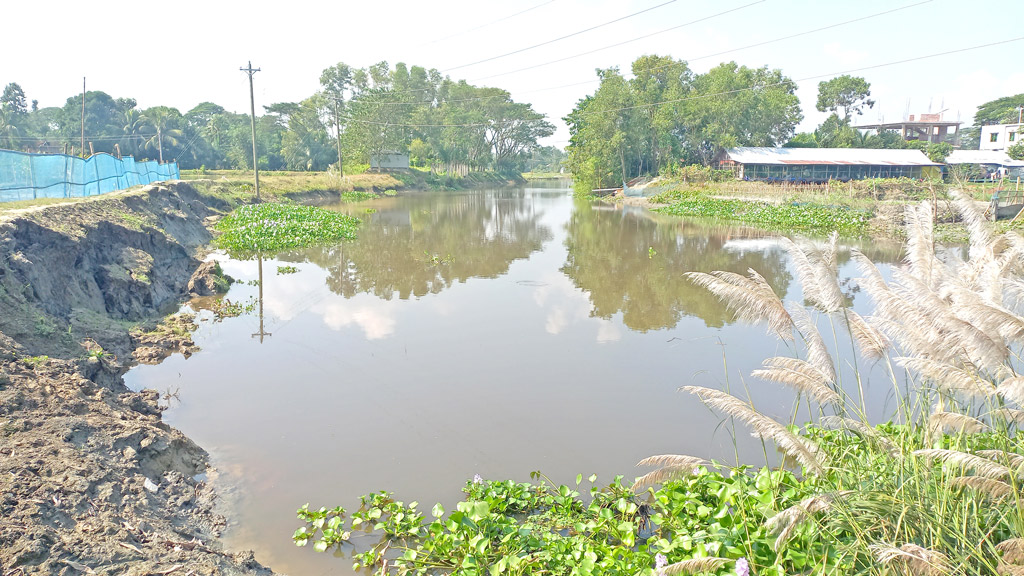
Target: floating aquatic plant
<point>273,227</point>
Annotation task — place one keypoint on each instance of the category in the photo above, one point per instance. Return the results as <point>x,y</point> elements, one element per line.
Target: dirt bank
<point>91,480</point>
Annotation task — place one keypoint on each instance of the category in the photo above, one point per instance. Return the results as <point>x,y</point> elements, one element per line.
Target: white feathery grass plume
<point>1005,569</point>
<point>981,466</point>
<point>673,466</point>
<point>1012,389</point>
<point>920,561</point>
<point>818,272</point>
<point>801,376</point>
<point>802,449</point>
<point>948,378</point>
<point>946,332</point>
<point>695,566</point>
<point>861,429</point>
<point>787,521</point>
<point>955,422</point>
<point>749,297</point>
<point>1013,550</point>
<point>977,227</point>
<point>870,340</point>
<point>1012,459</point>
<point>1008,415</point>
<point>921,245</point>
<point>817,353</point>
<point>997,322</point>
<point>993,488</point>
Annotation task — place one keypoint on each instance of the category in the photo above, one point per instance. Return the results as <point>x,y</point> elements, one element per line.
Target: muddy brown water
<point>490,332</point>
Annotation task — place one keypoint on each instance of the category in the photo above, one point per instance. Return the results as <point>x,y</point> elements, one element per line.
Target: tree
<point>335,82</point>
<point>835,132</point>
<point>13,100</point>
<point>1016,151</point>
<point>166,123</point>
<point>732,105</point>
<point>844,93</point>
<point>937,151</point>
<point>103,120</point>
<point>802,140</point>
<point>1004,110</point>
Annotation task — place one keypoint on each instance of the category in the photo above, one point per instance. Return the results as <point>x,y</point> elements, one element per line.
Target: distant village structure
<point>1000,136</point>
<point>924,128</point>
<point>389,161</point>
<point>816,165</point>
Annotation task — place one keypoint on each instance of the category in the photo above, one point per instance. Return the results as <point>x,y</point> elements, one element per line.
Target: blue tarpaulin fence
<point>27,176</point>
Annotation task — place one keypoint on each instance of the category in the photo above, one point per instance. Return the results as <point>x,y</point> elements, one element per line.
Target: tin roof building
<point>812,165</point>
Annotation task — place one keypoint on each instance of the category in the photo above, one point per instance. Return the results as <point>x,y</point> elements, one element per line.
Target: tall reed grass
<point>938,490</point>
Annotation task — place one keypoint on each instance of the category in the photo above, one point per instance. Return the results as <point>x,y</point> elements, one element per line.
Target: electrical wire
<point>577,33</point>
<point>645,36</point>
<point>509,17</point>
<point>738,90</point>
<point>592,81</point>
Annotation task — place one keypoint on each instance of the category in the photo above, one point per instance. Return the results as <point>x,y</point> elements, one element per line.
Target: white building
<point>1000,136</point>
<point>992,164</point>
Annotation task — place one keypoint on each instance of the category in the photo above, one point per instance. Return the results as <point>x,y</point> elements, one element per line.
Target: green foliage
<point>1003,110</point>
<point>357,196</point>
<point>802,140</point>
<point>667,113</point>
<point>1016,151</point>
<point>807,217</point>
<point>527,528</point>
<point>35,361</point>
<point>287,270</point>
<point>849,94</point>
<point>937,151</point>
<point>226,308</point>
<point>273,227</point>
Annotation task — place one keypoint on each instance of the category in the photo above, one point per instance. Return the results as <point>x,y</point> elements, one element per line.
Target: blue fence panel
<point>27,176</point>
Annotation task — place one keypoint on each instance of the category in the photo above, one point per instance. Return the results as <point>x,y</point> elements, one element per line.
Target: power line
<point>560,38</point>
<point>738,90</point>
<point>591,81</point>
<point>690,23</point>
<point>509,17</point>
<point>808,78</point>
<point>766,42</point>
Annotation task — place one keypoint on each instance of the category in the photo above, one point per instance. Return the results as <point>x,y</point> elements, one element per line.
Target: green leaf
<point>437,510</point>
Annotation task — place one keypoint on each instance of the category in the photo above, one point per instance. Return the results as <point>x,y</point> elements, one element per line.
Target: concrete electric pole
<point>252,108</point>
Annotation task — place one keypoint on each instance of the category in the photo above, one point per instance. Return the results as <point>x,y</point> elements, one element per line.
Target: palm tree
<point>134,130</point>
<point>158,118</point>
<point>9,132</point>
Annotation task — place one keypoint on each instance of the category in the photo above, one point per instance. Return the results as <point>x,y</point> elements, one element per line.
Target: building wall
<point>390,162</point>
<point>1000,136</point>
<point>826,172</point>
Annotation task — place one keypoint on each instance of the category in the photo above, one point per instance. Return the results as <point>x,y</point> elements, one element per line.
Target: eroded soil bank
<point>91,480</point>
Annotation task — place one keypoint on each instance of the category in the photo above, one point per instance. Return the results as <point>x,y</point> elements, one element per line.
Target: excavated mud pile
<point>91,479</point>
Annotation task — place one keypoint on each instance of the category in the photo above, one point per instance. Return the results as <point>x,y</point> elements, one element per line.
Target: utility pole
<point>252,108</point>
<point>337,129</point>
<point>83,116</point>
<point>262,333</point>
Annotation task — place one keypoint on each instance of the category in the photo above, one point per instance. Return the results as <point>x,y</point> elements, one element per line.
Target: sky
<point>186,52</point>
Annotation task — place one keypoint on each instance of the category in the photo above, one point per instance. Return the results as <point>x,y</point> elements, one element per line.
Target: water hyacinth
<point>742,567</point>
<point>272,227</point>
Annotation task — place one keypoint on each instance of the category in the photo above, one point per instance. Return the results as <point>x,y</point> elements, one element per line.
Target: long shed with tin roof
<point>824,164</point>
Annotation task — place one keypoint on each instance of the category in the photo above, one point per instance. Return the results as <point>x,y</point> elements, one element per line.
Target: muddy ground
<point>91,480</point>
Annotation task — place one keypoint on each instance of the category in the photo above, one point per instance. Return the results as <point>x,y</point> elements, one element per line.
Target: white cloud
<point>375,317</point>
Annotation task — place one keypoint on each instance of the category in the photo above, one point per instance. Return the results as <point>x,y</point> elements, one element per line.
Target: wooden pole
<point>252,108</point>
<point>337,129</point>
<point>83,115</point>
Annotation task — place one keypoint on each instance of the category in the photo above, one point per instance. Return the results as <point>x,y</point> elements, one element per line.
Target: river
<point>490,332</point>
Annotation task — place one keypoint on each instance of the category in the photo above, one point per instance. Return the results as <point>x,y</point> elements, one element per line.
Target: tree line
<point>667,116</point>
<point>449,126</point>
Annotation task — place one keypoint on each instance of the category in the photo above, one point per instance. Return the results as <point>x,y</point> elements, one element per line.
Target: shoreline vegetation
<point>933,492</point>
<point>872,208</point>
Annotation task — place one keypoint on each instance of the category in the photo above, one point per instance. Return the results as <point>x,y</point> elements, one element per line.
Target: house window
<point>1013,136</point>
<point>994,137</point>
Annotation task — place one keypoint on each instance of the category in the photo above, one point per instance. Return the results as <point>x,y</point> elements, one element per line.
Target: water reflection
<point>422,244</point>
<point>631,261</point>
